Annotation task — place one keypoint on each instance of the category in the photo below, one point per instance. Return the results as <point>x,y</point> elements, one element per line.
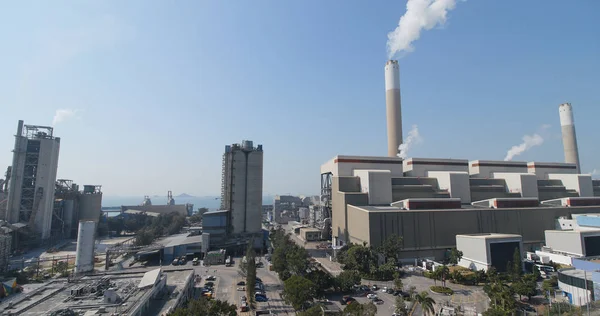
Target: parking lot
<point>226,288</point>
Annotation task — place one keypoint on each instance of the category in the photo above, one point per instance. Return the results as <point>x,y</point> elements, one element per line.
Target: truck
<point>228,261</point>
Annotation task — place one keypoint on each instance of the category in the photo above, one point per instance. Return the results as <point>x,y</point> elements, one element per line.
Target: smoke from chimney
<point>413,138</point>
<point>528,142</point>
<point>420,15</point>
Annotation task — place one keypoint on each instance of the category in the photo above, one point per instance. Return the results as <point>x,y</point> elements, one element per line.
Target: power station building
<point>430,201</point>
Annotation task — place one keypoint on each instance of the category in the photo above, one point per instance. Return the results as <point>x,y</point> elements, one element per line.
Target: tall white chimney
<point>569,137</point>
<point>393,107</point>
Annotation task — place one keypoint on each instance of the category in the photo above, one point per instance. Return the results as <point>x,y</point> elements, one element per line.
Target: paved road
<point>226,286</point>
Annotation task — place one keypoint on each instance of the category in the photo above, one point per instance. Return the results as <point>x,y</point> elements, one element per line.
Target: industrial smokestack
<point>569,137</point>
<point>393,107</point>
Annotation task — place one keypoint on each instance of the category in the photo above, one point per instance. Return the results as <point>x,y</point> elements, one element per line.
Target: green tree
<point>203,306</point>
<point>501,295</point>
<point>400,306</point>
<point>455,256</point>
<point>427,303</point>
<point>250,273</point>
<point>347,279</point>
<point>313,311</point>
<point>494,311</point>
<point>359,257</point>
<point>517,268</point>
<point>491,274</point>
<point>144,237</point>
<point>322,280</point>
<point>442,273</point>
<point>550,285</point>
<point>298,291</point>
<point>398,284</point>
<point>412,291</point>
<point>357,309</point>
<point>526,286</point>
<point>390,247</point>
<point>62,268</point>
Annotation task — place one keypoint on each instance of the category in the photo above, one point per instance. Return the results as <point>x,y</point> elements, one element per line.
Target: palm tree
<point>426,303</point>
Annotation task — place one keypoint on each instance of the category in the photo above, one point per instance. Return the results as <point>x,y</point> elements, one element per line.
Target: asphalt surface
<point>226,286</point>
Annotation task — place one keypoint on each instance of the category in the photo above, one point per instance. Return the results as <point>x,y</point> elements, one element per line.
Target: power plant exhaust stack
<point>569,137</point>
<point>393,107</point>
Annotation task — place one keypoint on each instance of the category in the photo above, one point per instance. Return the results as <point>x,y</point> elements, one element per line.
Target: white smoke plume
<point>62,115</point>
<point>420,15</point>
<point>412,139</point>
<point>528,142</point>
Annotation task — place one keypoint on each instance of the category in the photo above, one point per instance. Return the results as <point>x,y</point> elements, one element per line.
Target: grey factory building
<point>429,201</point>
<point>36,207</point>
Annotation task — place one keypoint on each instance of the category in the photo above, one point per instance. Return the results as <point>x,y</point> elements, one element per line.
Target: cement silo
<point>90,203</point>
<point>569,137</point>
<point>86,236</point>
<point>393,107</point>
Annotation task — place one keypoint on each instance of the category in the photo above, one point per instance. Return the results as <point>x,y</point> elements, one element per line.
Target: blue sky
<point>160,87</point>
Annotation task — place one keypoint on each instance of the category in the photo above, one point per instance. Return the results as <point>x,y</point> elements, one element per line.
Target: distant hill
<point>185,195</point>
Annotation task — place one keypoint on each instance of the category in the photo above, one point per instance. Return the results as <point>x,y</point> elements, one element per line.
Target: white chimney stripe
<point>566,114</point>
<point>392,76</point>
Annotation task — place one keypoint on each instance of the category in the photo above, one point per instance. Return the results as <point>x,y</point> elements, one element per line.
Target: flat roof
<point>581,274</point>
<point>149,278</point>
<point>551,165</point>
<point>180,239</point>
<point>434,161</point>
<point>572,231</point>
<point>216,212</point>
<point>310,229</point>
<point>489,236</point>
<point>367,159</point>
<point>385,208</point>
<point>498,163</point>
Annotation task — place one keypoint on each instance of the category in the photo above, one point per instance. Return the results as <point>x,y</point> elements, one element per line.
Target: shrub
<point>441,290</point>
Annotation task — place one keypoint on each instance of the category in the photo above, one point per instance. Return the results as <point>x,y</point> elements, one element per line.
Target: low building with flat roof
<point>482,251</point>
<point>132,293</point>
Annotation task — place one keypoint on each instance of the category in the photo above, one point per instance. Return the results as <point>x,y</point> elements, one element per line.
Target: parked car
<point>241,288</point>
<point>209,285</point>
<point>378,301</point>
<point>346,299</point>
<point>241,283</point>
<point>259,280</point>
<point>260,298</point>
<point>244,298</point>
<point>389,291</point>
<point>372,296</point>
<point>384,290</point>
<point>175,262</point>
<point>210,278</point>
<point>374,287</point>
<point>196,261</point>
<point>401,293</point>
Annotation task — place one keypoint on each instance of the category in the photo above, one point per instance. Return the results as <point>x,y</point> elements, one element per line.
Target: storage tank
<point>68,215</point>
<point>90,206</point>
<point>84,260</point>
<point>247,144</point>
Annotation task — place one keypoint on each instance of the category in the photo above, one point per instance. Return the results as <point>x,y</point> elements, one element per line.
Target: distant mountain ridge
<point>185,195</point>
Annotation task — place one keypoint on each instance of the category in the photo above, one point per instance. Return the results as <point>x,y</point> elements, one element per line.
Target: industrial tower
<point>241,187</point>
<point>32,179</point>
